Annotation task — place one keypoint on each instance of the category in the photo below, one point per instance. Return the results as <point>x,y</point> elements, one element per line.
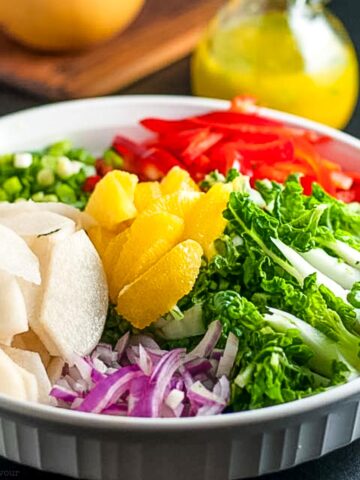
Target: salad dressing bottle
<point>292,55</point>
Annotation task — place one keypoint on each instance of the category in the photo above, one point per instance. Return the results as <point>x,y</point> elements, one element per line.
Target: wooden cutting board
<point>165,31</point>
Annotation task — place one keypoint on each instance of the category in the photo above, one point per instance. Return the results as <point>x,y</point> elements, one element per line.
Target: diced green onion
<point>38,197</point>
<point>112,159</point>
<point>51,198</point>
<point>65,193</point>
<point>59,149</point>
<point>64,168</point>
<point>23,160</point>
<point>3,195</point>
<point>45,177</point>
<point>12,186</point>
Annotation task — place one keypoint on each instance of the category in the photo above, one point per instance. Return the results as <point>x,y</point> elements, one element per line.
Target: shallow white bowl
<point>222,447</point>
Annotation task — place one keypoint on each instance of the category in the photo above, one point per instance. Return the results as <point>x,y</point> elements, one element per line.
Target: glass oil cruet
<point>292,55</point>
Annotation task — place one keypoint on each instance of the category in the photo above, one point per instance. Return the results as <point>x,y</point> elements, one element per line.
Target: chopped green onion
<point>45,177</point>
<point>112,159</point>
<point>12,186</point>
<point>23,160</point>
<point>59,149</point>
<point>38,197</point>
<point>65,193</point>
<point>51,198</point>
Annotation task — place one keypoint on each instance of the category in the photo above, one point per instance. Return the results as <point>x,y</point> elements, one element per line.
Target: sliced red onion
<point>208,342</point>
<point>62,393</point>
<point>227,360</point>
<point>121,345</point>
<point>139,379</point>
<point>109,389</point>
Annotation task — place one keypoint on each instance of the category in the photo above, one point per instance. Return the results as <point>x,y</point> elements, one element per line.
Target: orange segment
<point>150,237</point>
<point>100,238</point>
<point>178,203</point>
<point>177,179</point>
<point>160,288</point>
<point>113,250</point>
<point>112,201</point>
<point>145,194</point>
<point>206,222</point>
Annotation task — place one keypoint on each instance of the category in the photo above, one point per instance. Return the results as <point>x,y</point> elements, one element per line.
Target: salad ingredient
<point>53,29</point>
<point>30,341</point>
<point>239,138</point>
<point>112,201</point>
<point>113,249</point>
<point>74,288</point>
<point>150,237</point>
<point>11,379</point>
<point>145,194</point>
<point>31,362</point>
<point>189,324</point>
<point>16,258</point>
<point>32,224</point>
<point>12,309</point>
<point>180,203</point>
<point>158,290</point>
<point>56,173</point>
<point>140,379</point>
<point>210,206</point>
<point>177,179</point>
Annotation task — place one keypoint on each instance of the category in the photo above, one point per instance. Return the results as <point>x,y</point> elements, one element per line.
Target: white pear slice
<point>81,219</point>
<point>11,380</point>
<point>31,362</point>
<point>54,369</point>
<point>75,298</point>
<point>31,342</point>
<point>13,316</point>
<point>16,257</point>
<point>33,294</point>
<point>37,223</point>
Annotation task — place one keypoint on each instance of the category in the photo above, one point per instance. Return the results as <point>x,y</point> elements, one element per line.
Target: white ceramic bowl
<point>222,447</point>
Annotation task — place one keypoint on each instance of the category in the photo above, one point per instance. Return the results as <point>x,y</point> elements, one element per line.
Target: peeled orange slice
<point>150,237</point>
<point>206,223</point>
<point>160,288</point>
<point>145,194</point>
<point>177,179</point>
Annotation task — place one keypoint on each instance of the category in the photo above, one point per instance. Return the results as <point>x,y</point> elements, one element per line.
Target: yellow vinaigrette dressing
<point>291,55</point>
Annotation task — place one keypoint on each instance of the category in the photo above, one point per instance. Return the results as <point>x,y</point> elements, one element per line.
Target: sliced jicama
<point>37,223</point>
<point>13,317</point>
<point>31,342</point>
<point>75,301</point>
<point>42,247</point>
<point>11,380</point>
<point>16,257</point>
<point>31,362</point>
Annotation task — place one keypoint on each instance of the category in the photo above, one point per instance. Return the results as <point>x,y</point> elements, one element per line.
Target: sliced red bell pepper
<point>90,183</point>
<point>200,145</point>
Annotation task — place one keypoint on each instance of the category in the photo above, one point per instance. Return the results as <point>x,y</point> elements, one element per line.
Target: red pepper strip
<point>292,167</point>
<point>130,151</point>
<point>176,142</point>
<point>155,163</point>
<point>101,168</point>
<point>305,153</point>
<point>161,126</point>
<point>268,171</point>
<point>230,118</point>
<point>267,152</point>
<point>200,145</point>
<point>226,155</point>
<point>307,182</point>
<point>90,183</point>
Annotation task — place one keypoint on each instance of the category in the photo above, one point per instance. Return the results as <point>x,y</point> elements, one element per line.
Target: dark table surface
<point>343,464</point>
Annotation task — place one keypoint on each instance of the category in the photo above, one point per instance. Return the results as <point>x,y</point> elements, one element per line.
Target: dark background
<point>341,465</point>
